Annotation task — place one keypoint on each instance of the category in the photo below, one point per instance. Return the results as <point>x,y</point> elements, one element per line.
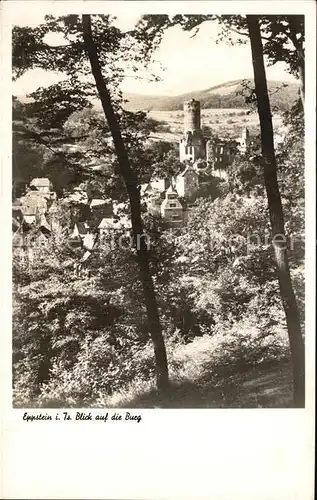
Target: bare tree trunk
<point>301,74</point>
<point>135,207</point>
<point>276,214</point>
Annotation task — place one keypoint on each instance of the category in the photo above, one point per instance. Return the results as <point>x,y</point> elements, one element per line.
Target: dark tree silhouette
<point>134,196</point>
<point>276,213</point>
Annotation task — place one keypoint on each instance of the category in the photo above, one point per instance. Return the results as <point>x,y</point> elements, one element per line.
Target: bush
<point>231,348</point>
<point>101,369</point>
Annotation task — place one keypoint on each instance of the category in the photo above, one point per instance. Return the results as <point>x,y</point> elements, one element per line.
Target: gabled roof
<point>32,202</point>
<point>29,210</point>
<point>106,222</point>
<point>75,240</point>
<point>144,188</point>
<point>40,182</point>
<point>122,222</point>
<point>44,226</point>
<point>83,227</point>
<point>189,167</point>
<point>171,190</point>
<point>96,202</point>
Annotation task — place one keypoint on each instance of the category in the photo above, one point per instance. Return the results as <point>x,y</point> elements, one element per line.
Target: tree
<point>282,40</point>
<point>106,48</point>
<point>275,32</point>
<point>276,213</point>
<point>283,36</point>
<point>135,203</point>
<point>162,160</point>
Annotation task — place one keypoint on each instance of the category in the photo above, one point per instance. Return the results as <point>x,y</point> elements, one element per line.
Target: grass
<point>264,386</point>
<point>216,118</point>
<point>237,367</point>
<point>267,386</point>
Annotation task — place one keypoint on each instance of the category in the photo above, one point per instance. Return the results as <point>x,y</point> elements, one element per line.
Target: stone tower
<point>192,146</point>
<point>191,116</point>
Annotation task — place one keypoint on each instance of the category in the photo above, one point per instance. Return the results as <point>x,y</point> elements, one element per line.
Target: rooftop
<point>40,182</point>
<point>96,202</point>
<point>83,227</point>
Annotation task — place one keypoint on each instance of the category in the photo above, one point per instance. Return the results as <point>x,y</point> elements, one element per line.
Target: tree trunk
<point>301,74</point>
<point>135,207</point>
<point>276,214</point>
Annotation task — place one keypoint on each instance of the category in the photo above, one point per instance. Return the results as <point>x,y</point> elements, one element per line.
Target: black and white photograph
<point>158,211</point>
<point>157,299</point>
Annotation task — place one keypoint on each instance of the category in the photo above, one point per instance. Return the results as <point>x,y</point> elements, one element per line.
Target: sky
<point>190,63</point>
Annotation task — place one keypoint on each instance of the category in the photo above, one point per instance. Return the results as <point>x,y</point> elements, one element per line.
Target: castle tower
<point>192,146</point>
<point>191,116</point>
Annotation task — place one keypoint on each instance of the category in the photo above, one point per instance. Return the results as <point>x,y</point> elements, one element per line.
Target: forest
<point>210,314</point>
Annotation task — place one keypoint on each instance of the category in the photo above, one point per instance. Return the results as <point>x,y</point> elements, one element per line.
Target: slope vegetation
<point>227,95</point>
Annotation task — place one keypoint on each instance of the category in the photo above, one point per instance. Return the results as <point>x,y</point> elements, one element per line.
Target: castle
<point>192,145</point>
<point>172,197</point>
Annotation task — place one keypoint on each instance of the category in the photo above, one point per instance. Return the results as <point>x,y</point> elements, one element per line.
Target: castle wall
<point>180,185</point>
<point>219,158</point>
<point>159,184</point>
<point>192,152</point>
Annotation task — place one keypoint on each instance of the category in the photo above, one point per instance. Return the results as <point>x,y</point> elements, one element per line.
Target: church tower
<point>192,145</point>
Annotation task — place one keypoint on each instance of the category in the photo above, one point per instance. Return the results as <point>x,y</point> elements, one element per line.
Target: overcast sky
<point>190,63</point>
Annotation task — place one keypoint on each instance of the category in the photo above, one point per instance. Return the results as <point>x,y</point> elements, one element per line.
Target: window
<point>190,150</point>
<point>173,205</point>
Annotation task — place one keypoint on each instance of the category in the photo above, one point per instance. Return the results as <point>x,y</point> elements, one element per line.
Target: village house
<point>171,207</point>
<point>187,182</point>
<point>30,225</point>
<point>80,229</point>
<point>42,185</point>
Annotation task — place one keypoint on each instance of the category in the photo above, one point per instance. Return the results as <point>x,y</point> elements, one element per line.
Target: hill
<point>227,95</point>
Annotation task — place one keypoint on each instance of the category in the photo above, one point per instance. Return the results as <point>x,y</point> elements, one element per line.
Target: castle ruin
<point>192,145</point>
<point>217,153</point>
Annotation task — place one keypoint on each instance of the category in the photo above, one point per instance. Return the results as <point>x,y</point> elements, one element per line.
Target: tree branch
<point>247,34</point>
